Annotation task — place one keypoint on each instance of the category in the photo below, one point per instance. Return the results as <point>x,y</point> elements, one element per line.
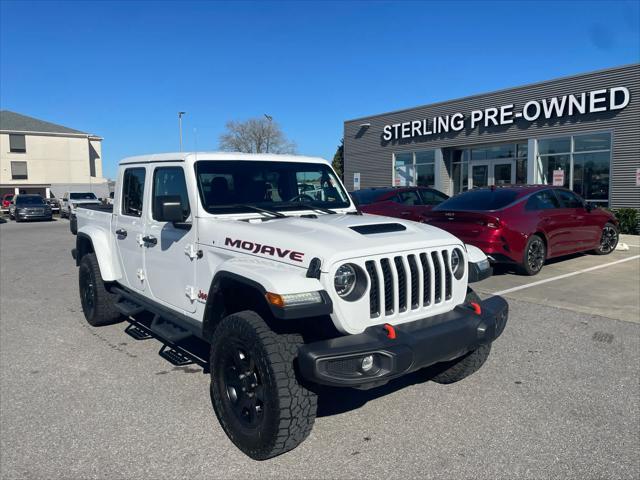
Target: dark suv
<point>29,207</point>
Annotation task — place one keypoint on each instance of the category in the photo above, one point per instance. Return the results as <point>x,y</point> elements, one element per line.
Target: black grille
<point>436,276</point>
<point>447,275</point>
<point>402,284</point>
<point>388,286</point>
<point>374,291</point>
<point>413,268</point>
<point>426,279</point>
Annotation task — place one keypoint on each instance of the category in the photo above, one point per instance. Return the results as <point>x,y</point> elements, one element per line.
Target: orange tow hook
<point>391,332</point>
<point>476,308</point>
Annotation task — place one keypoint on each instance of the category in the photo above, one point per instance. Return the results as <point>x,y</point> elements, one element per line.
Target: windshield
<point>225,186</point>
<point>29,200</point>
<point>478,200</point>
<point>82,196</point>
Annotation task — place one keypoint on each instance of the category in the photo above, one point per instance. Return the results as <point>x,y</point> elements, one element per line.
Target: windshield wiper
<point>264,211</point>
<point>307,207</point>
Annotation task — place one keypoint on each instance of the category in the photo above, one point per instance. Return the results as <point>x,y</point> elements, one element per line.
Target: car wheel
<point>98,303</point>
<point>535,254</point>
<point>608,240</point>
<point>256,396</point>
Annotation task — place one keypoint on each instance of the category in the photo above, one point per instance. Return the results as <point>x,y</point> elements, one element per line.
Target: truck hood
<point>297,240</point>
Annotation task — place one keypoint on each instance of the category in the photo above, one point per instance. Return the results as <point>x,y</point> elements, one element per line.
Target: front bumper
<point>419,344</point>
<point>34,216</point>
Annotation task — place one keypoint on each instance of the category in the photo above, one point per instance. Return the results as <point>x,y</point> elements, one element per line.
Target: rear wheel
<point>98,303</point>
<point>535,254</point>
<point>257,398</point>
<point>608,240</point>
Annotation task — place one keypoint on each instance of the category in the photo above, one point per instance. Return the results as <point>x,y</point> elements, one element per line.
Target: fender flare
<point>93,240</point>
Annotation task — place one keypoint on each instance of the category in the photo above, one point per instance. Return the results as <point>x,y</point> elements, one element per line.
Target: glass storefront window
<point>586,165</point>
<point>522,150</point>
<point>414,168</point>
<point>597,141</point>
<point>460,176</point>
<point>425,174</point>
<point>554,145</point>
<point>591,175</point>
<point>521,170</point>
<point>426,156</point>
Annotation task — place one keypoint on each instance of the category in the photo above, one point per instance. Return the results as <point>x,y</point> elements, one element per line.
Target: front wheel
<point>535,254</point>
<point>256,396</point>
<point>608,240</point>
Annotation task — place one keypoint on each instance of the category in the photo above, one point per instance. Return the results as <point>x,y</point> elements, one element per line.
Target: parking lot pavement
<point>606,285</point>
<point>558,398</point>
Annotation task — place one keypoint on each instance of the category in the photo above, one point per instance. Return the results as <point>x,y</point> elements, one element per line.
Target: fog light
<point>367,363</point>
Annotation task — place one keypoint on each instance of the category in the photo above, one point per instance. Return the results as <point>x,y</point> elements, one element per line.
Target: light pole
<point>180,114</point>
<point>270,118</point>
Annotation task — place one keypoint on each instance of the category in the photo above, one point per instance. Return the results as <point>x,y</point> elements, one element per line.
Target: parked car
<point>54,204</point>
<point>29,207</point>
<point>6,200</point>
<point>289,293</point>
<point>71,200</point>
<point>410,203</point>
<point>526,225</point>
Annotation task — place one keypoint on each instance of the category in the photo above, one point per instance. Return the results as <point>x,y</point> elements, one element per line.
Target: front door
<point>504,172</point>
<point>129,228</point>
<point>170,249</point>
<point>479,175</point>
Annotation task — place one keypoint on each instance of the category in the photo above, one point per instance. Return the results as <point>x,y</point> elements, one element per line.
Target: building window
<point>585,161</point>
<point>17,143</point>
<point>414,168</point>
<point>19,170</point>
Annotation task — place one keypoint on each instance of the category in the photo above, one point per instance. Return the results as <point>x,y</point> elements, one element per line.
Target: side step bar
<point>128,308</point>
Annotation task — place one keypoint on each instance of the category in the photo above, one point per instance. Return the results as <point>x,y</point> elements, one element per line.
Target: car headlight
<point>344,280</point>
<point>457,263</point>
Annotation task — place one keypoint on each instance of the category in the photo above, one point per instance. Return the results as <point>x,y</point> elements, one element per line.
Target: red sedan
<point>527,225</point>
<point>410,203</point>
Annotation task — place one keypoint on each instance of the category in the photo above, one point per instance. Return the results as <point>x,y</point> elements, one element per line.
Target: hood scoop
<point>378,228</point>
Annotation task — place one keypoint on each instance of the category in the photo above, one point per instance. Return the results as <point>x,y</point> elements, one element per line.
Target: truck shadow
<point>506,268</point>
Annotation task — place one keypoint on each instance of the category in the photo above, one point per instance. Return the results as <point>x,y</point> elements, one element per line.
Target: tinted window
<point>484,199</point>
<point>19,171</point>
<point>132,191</point>
<point>17,143</point>
<point>409,197</point>
<point>29,200</point>
<point>82,196</point>
<point>542,201</point>
<point>170,181</point>
<point>432,197</point>
<point>365,197</point>
<point>224,186</point>
<point>569,199</point>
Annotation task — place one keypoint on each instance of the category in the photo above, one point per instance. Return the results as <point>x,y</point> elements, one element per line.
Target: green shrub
<point>628,218</point>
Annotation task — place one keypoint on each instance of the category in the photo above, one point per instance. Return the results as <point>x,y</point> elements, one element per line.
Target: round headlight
<point>457,263</point>
<point>345,280</point>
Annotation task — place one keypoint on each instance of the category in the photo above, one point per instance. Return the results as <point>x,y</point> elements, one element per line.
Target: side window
<point>133,191</point>
<point>431,197</point>
<point>409,197</point>
<point>544,200</point>
<point>169,181</point>
<point>569,199</point>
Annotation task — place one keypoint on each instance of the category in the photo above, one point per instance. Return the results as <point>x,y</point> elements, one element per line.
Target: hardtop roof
<point>192,157</point>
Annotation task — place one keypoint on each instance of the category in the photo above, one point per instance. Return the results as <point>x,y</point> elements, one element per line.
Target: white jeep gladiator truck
<point>288,290</point>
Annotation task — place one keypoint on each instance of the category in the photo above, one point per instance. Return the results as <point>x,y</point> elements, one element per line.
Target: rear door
<point>129,226</point>
<point>170,250</point>
<point>575,234</point>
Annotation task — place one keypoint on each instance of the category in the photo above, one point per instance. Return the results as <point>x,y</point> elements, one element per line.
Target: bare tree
<point>256,135</point>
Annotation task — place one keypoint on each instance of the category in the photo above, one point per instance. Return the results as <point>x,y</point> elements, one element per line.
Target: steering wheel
<point>302,197</point>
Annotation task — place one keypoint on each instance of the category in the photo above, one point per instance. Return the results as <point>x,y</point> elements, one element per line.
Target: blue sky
<point>123,69</point>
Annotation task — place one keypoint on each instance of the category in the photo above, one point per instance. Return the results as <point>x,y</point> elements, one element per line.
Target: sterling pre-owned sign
<point>603,100</point>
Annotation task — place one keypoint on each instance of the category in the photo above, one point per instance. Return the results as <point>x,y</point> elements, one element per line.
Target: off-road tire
<point>528,265</point>
<point>98,303</point>
<point>608,245</point>
<point>288,408</point>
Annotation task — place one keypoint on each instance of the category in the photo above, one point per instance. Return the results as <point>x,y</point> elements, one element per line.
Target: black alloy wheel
<point>608,240</point>
<point>534,256</point>
<point>87,282</point>
<point>242,384</point>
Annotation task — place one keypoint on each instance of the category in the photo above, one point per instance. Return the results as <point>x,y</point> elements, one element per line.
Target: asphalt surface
<point>558,398</point>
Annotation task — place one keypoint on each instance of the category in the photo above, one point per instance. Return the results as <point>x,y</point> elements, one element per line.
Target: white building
<point>49,159</point>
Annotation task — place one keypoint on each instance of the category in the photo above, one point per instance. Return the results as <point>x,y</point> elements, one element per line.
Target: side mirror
<point>169,209</point>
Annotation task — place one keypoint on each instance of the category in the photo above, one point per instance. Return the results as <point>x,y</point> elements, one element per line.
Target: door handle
<point>121,232</point>
<point>150,239</point>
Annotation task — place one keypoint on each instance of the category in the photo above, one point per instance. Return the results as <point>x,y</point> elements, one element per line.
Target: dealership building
<point>582,132</point>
